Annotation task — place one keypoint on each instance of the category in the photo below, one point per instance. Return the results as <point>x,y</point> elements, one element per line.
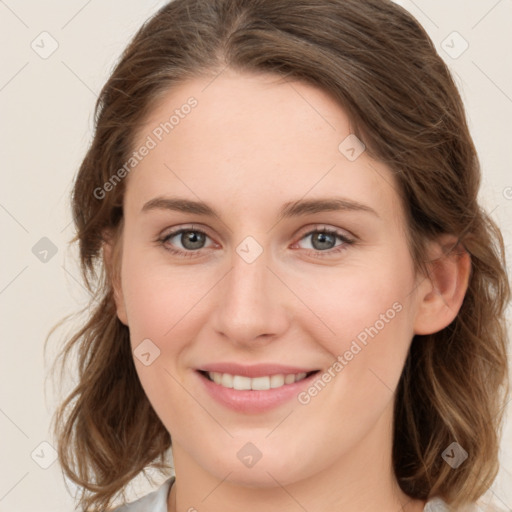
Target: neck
<point>362,481</point>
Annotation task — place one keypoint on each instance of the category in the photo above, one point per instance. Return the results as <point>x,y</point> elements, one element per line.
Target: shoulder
<point>155,501</point>
<point>438,505</point>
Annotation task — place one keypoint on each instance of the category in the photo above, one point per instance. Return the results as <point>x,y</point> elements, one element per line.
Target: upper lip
<point>256,370</point>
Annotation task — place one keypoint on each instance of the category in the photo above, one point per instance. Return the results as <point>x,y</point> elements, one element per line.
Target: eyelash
<point>190,254</point>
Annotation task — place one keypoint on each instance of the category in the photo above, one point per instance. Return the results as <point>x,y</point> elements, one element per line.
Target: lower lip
<point>252,402</point>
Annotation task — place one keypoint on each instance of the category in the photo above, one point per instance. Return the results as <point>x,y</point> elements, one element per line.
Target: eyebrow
<point>291,209</point>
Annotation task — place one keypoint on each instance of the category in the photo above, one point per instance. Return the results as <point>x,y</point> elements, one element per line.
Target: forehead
<point>257,139</point>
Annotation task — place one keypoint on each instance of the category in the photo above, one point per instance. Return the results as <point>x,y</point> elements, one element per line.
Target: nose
<point>251,303</point>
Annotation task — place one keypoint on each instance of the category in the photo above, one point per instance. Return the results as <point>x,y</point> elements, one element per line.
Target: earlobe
<point>112,259</point>
<point>442,292</point>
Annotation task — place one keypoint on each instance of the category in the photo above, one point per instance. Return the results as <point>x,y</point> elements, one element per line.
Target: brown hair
<point>380,65</point>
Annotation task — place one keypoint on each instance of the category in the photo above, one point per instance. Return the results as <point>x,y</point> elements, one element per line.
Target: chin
<point>267,472</point>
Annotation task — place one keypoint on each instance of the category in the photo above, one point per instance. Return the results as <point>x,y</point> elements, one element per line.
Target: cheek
<point>157,296</point>
<point>369,310</point>
<point>355,301</point>
<point>367,327</point>
<point>159,303</point>
<point>360,302</point>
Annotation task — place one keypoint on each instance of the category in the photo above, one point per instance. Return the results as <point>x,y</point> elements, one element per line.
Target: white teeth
<point>265,383</point>
<point>260,383</point>
<point>289,379</point>
<point>241,383</point>
<point>276,381</point>
<point>226,380</point>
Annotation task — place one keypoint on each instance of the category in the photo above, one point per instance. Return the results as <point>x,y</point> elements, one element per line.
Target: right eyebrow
<point>180,205</point>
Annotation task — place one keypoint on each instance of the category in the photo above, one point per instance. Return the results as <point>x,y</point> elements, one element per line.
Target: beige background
<point>46,119</point>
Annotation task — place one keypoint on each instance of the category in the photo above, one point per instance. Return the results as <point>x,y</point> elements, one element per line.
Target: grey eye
<point>322,241</point>
<point>192,240</point>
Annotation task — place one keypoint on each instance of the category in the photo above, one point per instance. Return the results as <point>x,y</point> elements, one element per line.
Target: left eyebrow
<point>290,209</point>
<point>329,204</point>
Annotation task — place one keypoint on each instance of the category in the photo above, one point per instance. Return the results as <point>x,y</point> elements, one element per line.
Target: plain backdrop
<point>55,57</point>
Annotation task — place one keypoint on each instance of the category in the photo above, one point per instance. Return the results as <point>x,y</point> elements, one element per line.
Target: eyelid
<point>182,227</point>
<point>326,228</point>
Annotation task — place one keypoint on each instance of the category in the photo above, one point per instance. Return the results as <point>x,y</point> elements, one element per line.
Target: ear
<point>112,258</point>
<point>443,289</point>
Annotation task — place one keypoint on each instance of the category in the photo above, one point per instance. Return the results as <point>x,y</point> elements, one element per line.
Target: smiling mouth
<point>263,383</point>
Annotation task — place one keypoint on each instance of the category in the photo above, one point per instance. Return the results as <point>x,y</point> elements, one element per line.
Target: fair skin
<point>252,144</point>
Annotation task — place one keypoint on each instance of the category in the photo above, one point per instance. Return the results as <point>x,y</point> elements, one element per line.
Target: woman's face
<point>293,260</point>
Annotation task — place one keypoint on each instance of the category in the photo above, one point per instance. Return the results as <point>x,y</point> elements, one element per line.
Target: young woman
<point>296,286</point>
